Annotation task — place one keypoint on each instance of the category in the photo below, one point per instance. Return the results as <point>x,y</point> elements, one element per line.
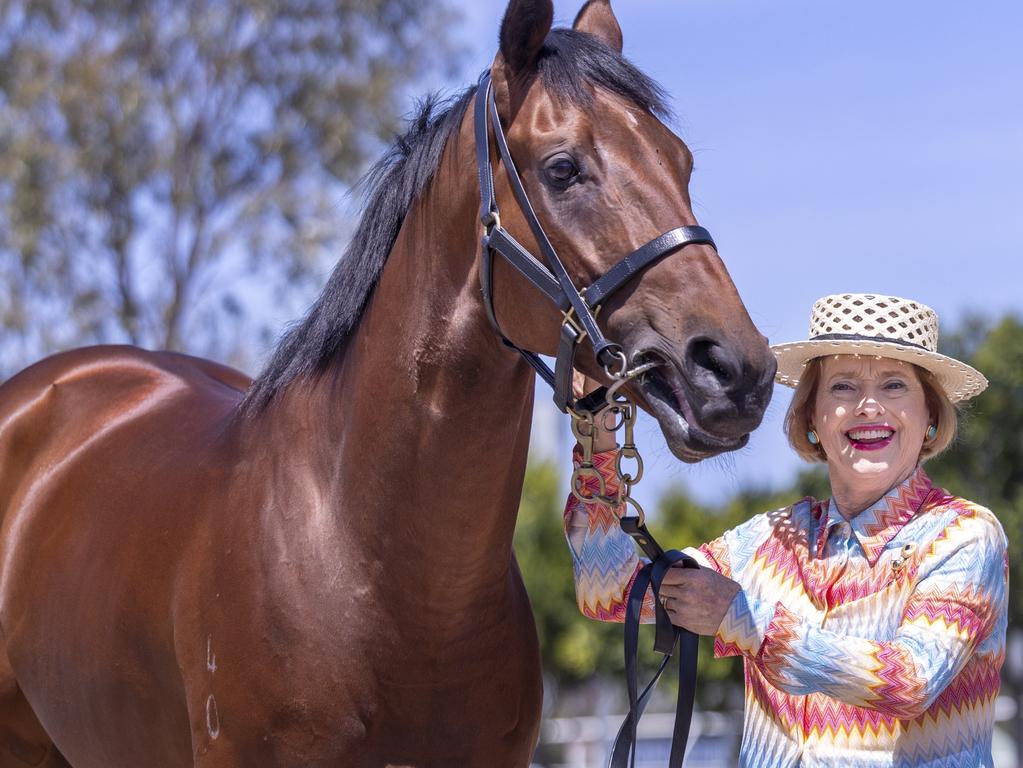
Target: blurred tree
<point>573,647</point>
<point>986,462</point>
<point>152,153</point>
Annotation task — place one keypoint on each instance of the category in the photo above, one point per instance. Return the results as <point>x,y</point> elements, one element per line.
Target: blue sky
<point>840,146</point>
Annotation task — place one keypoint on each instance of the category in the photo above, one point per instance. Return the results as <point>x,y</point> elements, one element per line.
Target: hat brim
<point>959,380</point>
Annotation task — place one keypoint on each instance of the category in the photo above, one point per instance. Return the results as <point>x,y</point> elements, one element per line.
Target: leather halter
<point>552,278</point>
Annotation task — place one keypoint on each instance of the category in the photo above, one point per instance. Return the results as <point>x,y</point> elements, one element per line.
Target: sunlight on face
<point>871,416</point>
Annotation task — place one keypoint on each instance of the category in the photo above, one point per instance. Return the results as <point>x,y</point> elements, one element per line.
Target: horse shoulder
<point>105,442</point>
<point>111,459</point>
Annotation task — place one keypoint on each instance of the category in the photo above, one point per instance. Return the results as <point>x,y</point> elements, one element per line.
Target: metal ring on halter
<point>615,412</point>
<point>578,478</point>
<point>625,378</point>
<point>619,357</point>
<point>491,220</point>
<point>629,452</point>
<point>640,514</point>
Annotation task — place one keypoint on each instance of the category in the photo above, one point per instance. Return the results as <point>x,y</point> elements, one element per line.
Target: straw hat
<point>884,326</point>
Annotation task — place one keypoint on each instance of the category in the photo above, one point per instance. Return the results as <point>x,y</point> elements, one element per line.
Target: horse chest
<point>321,671</point>
<point>365,705</point>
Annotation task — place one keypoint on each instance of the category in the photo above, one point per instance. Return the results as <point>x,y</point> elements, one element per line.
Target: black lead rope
<point>552,279</point>
<point>667,637</point>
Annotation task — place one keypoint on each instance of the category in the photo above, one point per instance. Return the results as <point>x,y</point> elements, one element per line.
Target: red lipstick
<point>870,437</point>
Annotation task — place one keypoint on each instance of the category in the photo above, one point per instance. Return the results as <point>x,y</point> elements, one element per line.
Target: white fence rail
<point>585,742</point>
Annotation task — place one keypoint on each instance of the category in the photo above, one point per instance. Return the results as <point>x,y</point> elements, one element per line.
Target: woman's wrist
<point>603,439</point>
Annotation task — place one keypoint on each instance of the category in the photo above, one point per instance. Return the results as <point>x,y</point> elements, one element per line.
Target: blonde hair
<point>944,414</point>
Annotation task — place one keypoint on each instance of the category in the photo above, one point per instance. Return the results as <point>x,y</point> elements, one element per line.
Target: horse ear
<point>525,27</point>
<point>597,19</point>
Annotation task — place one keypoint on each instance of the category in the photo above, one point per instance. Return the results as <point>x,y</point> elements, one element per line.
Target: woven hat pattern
<point>864,314</point>
<point>884,326</point>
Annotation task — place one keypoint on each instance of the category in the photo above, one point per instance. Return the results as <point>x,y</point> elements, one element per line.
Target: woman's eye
<point>895,385</point>
<point>841,386</point>
<point>561,170</point>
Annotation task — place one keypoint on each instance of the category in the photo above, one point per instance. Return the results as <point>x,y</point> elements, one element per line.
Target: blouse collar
<point>878,524</point>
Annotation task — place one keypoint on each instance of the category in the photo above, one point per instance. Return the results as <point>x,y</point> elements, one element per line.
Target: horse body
<point>316,583</point>
<point>89,552</point>
<point>316,569</point>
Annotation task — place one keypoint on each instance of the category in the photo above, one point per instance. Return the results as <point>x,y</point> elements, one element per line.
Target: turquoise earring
<point>812,439</point>
<point>932,432</point>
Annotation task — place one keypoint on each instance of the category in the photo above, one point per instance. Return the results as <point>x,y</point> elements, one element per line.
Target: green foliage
<point>573,646</point>
<point>985,464</point>
<point>155,154</point>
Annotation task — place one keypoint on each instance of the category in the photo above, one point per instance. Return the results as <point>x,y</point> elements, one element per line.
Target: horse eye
<point>561,170</point>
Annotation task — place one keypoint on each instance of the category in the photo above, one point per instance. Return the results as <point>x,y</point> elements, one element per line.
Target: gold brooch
<point>900,559</point>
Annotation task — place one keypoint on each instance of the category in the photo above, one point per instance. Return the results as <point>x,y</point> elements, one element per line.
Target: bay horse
<point>315,568</point>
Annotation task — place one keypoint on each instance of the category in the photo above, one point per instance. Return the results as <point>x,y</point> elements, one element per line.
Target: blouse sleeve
<point>958,605</point>
<point>604,559</point>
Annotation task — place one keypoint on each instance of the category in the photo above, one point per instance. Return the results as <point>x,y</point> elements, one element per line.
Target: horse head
<point>605,176</point>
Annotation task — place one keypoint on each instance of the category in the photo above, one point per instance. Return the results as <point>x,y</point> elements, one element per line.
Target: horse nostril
<point>710,360</point>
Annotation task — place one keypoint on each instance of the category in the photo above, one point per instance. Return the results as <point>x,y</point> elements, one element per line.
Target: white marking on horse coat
<point>212,717</point>
<point>631,118</point>
<point>211,657</point>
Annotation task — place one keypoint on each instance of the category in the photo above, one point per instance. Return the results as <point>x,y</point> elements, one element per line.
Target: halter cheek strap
<point>550,276</point>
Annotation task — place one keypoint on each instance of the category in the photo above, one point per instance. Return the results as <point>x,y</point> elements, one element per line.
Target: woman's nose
<point>869,406</point>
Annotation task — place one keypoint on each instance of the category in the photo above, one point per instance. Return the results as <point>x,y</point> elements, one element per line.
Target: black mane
<point>570,64</point>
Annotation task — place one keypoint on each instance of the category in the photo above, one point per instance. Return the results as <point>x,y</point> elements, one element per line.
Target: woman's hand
<point>697,599</point>
<point>603,440</point>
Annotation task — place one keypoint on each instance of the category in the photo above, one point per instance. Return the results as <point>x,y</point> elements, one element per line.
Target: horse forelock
<point>570,65</point>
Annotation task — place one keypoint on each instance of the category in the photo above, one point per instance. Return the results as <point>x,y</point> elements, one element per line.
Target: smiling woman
<point>799,414</point>
<point>872,625</point>
<point>868,447</point>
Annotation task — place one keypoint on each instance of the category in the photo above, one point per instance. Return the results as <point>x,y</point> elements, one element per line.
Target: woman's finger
<point>697,598</point>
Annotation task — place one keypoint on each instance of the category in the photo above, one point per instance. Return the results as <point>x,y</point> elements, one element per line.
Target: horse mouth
<point>664,390</point>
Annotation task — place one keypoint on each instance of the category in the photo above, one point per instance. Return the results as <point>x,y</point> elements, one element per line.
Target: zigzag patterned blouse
<point>875,642</point>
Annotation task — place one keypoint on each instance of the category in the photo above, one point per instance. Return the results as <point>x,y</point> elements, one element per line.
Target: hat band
<point>860,337</point>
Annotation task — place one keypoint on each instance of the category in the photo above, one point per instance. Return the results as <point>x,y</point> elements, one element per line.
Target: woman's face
<point>871,417</point>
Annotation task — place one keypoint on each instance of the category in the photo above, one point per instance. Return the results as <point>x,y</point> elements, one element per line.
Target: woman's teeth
<point>867,435</point>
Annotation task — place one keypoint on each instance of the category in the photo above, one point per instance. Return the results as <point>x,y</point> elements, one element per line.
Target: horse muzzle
<point>707,402</point>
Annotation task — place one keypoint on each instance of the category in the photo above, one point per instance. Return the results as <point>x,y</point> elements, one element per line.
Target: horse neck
<point>415,440</point>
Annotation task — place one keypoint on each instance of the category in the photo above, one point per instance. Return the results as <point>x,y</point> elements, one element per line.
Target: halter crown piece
<point>551,278</point>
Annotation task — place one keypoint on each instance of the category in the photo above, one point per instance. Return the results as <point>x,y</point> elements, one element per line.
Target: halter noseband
<point>578,307</point>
